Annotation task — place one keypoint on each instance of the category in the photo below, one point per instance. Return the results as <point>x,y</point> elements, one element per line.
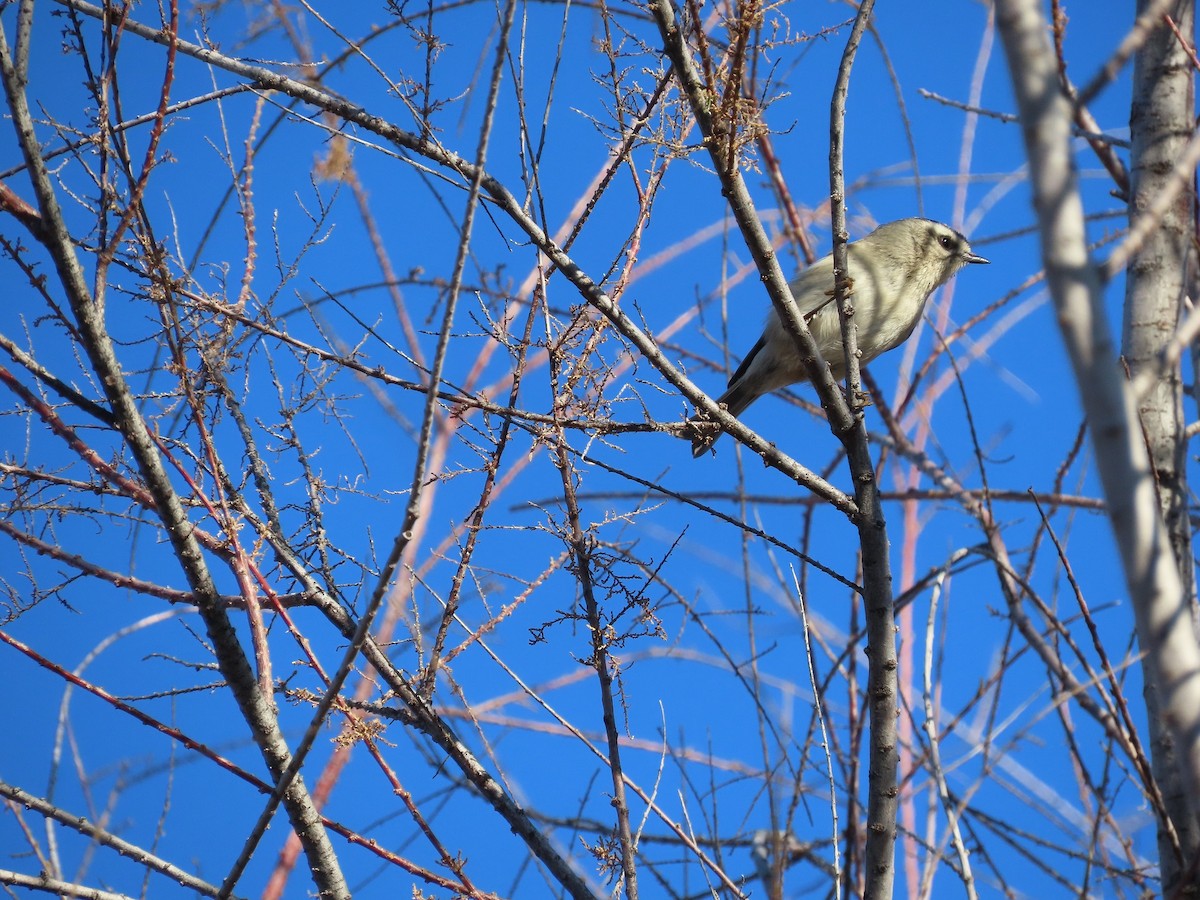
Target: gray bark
<point>1161,598</point>
<point>1156,283</point>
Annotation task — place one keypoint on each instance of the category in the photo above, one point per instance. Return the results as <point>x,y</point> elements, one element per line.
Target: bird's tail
<point>736,398</point>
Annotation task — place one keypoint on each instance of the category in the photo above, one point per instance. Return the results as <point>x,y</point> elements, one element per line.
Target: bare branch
<point>1160,600</point>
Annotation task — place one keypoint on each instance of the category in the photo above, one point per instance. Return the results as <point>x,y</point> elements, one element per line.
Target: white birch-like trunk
<point>1160,593</point>
<point>1160,123</point>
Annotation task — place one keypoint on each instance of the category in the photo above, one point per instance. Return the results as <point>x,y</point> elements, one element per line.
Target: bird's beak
<point>972,258</point>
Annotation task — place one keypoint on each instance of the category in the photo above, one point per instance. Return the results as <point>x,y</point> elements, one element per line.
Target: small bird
<point>892,271</point>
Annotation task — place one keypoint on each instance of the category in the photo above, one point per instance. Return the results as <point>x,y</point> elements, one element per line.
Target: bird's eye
<point>946,241</point>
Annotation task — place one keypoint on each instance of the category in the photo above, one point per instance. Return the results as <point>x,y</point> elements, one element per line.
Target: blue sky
<point>687,690</point>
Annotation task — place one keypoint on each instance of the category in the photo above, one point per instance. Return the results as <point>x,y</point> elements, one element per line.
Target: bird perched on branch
<point>891,273</point>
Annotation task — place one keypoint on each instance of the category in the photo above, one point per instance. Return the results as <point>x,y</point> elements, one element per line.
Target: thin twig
<point>819,713</point>
<point>935,755</point>
<point>1014,119</point>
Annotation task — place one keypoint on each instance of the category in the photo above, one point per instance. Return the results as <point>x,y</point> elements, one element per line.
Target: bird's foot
<point>859,399</point>
<point>849,288</point>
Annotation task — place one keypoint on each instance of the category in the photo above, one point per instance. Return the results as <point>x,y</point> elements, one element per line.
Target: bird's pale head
<point>929,251</point>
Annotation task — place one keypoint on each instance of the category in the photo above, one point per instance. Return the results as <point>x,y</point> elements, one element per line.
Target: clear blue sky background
<point>1023,403</point>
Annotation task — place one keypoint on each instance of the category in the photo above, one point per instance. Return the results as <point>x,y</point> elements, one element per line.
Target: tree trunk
<point>1160,126</point>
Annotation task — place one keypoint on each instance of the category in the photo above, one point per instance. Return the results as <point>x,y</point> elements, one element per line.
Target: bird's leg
<point>832,292</point>
<point>858,399</point>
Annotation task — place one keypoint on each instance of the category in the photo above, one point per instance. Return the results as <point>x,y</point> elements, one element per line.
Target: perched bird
<point>892,272</point>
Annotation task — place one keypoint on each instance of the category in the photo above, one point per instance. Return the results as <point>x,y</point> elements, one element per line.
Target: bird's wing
<point>813,288</point>
<point>746,360</point>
